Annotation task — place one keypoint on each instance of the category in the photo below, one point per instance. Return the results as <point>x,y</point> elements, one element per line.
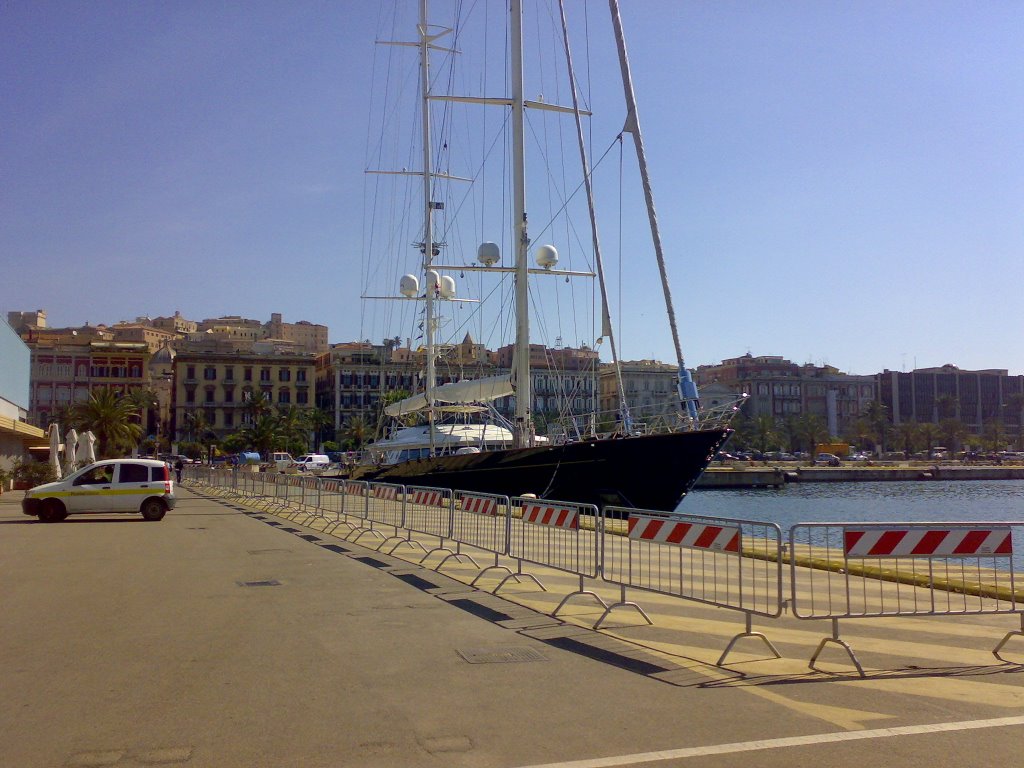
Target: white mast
<point>521,363</point>
<point>686,387</point>
<point>428,219</point>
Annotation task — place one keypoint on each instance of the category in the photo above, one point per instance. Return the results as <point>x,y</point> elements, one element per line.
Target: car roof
<point>147,462</point>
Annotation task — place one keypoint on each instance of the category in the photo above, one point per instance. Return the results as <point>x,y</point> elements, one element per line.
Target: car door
<point>91,490</point>
<point>131,486</point>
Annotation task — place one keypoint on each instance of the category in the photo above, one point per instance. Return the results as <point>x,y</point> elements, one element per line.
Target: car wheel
<point>153,510</point>
<point>52,512</point>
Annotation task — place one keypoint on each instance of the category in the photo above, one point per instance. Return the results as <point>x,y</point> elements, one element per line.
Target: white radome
<point>488,254</point>
<point>409,286</point>
<point>546,256</point>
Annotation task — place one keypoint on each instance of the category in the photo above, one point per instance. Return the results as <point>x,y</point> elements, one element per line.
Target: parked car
<point>130,486</point>
<point>827,459</point>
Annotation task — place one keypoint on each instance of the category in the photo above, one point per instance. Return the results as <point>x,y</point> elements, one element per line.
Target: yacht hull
<point>646,472</point>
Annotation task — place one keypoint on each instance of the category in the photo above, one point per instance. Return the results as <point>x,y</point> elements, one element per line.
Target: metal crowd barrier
<point>481,521</point>
<point>550,534</point>
<point>863,570</point>
<point>838,571</point>
<point>724,562</point>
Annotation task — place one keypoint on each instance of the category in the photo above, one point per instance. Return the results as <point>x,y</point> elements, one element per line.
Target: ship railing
<point>842,571</point>
<point>722,562</point>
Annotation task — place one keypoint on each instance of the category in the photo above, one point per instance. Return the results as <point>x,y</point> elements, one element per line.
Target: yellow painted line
<point>791,741</point>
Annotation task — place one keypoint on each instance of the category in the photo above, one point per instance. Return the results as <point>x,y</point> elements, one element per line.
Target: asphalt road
<point>224,636</point>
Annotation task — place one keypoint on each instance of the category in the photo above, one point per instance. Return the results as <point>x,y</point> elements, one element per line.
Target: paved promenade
<point>227,636</point>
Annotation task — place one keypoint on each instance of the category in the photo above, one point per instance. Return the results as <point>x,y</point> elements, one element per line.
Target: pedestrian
<point>178,466</point>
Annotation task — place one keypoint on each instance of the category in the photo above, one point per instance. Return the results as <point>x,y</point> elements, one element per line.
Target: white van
<point>310,461</point>
<point>281,460</point>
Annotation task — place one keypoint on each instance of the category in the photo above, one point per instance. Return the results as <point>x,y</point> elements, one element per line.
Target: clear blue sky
<point>837,182</point>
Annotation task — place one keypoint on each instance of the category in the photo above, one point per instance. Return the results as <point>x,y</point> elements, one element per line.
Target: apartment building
<point>220,384</point>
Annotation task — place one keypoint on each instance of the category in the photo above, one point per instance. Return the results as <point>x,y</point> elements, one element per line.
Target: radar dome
<point>409,286</point>
<point>488,254</point>
<point>546,256</point>
<point>447,287</point>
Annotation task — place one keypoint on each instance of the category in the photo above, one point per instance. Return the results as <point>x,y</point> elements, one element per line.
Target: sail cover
<point>469,391</point>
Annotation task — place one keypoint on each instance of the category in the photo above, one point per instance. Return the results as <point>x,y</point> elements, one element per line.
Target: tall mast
<point>524,396</point>
<point>687,389</point>
<point>428,219</point>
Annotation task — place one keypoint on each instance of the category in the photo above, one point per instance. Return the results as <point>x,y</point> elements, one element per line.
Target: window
<point>190,395</point>
<point>247,375</point>
<point>284,396</point>
<point>191,372</point>
<point>210,373</point>
<point>229,419</point>
<point>133,473</point>
<point>300,375</point>
<point>284,375</point>
<point>302,397</point>
<point>264,374</point>
<point>229,395</point>
<point>229,373</point>
<point>209,395</point>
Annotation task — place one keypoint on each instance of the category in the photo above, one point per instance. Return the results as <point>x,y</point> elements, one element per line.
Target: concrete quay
<point>229,636</point>
<point>745,476</point>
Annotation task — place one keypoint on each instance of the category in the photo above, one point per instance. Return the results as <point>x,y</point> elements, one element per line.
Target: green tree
<point>292,430</point>
<point>262,433</point>
<point>113,419</point>
<point>764,435</point>
<point>877,416</point>
<point>1015,402</point>
<point>948,407</point>
<point>811,430</point>
<point>318,419</point>
<point>952,432</point>
<point>356,432</point>
<point>907,435</point>
<point>994,435</point>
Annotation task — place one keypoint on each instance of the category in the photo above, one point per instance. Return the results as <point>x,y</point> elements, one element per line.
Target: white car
<point>310,461</point>
<point>131,486</point>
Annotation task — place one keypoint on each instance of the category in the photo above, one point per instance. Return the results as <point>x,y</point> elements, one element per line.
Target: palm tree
<point>994,434</point>
<point>764,434</point>
<point>317,419</point>
<point>293,430</point>
<point>877,415</point>
<point>1016,402</point>
<point>262,433</point>
<point>356,432</point>
<point>257,405</point>
<point>811,430</point>
<point>112,418</point>
<point>952,431</point>
<point>948,406</point>
<point>908,433</point>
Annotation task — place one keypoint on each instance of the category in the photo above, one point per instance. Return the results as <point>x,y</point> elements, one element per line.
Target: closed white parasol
<point>86,454</point>
<point>54,431</point>
<point>70,446</point>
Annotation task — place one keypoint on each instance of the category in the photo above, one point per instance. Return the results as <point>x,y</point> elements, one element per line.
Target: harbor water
<point>889,502</point>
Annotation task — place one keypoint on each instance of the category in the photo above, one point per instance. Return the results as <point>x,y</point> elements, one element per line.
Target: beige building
<point>153,338</point>
<point>220,384</point>
<point>650,390</point>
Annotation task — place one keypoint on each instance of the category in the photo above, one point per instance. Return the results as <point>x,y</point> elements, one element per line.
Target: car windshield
<point>96,475</point>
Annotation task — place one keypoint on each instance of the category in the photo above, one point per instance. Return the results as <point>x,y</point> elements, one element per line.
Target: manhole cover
<point>500,655</point>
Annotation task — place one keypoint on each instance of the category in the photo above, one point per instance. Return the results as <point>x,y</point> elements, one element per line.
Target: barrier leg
<point>748,633</point>
<point>581,591</point>
<point>845,645</point>
<point>1012,633</point>
<point>622,603</point>
<point>516,576</point>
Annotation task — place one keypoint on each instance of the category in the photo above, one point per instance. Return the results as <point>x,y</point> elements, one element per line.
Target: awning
<point>468,391</point>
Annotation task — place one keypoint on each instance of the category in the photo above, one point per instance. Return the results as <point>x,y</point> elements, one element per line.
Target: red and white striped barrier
<point>388,492</point>
<point>927,542</point>
<point>355,489</point>
<point>428,498</point>
<point>552,515</point>
<point>718,538</point>
<point>481,505</point>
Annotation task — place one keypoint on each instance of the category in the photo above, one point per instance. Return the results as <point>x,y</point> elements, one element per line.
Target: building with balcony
<point>220,384</point>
